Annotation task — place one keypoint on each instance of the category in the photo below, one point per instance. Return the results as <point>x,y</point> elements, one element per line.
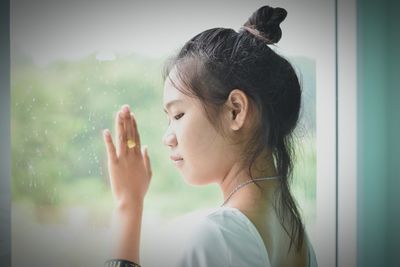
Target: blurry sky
<point>51,29</point>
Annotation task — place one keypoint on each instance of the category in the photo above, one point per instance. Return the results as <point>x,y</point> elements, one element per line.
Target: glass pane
<point>75,63</point>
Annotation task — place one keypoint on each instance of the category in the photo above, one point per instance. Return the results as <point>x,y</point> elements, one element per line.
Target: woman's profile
<point>232,104</point>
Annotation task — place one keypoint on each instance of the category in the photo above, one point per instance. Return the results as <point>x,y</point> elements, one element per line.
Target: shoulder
<point>218,238</point>
<point>239,230</point>
<point>205,244</point>
<point>226,225</point>
<point>208,232</point>
<point>186,241</point>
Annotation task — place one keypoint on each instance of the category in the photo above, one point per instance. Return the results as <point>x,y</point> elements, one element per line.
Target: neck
<point>250,195</point>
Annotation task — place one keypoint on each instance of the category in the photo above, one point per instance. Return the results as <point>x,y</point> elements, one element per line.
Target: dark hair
<point>213,63</point>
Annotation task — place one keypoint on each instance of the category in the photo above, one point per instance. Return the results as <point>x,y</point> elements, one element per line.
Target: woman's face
<point>206,155</point>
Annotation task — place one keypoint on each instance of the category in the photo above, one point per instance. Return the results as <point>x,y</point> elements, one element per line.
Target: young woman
<point>232,104</point>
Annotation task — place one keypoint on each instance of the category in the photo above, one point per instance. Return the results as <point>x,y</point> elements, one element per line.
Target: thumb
<point>146,159</point>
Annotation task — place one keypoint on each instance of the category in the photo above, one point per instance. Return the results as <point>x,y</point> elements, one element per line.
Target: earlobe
<point>234,124</point>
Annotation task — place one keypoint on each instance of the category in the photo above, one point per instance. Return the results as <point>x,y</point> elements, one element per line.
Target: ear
<point>237,106</point>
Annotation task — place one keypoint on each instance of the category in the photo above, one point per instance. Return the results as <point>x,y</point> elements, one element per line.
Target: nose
<point>169,139</point>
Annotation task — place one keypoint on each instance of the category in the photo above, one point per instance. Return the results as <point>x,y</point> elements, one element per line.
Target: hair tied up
<point>257,34</point>
<point>264,23</point>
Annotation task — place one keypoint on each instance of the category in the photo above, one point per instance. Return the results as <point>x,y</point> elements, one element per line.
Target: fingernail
<point>106,132</point>
<point>126,109</point>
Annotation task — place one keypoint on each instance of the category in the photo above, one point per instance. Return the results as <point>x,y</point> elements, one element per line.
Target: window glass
<point>75,63</point>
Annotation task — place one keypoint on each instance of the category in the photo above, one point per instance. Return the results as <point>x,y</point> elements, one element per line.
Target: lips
<point>175,157</point>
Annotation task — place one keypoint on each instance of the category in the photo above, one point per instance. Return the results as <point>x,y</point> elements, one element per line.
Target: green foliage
<point>57,117</point>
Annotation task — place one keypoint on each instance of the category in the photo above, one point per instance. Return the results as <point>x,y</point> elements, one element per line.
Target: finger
<point>126,114</point>
<point>120,134</point>
<point>132,132</point>
<point>111,152</point>
<point>135,132</point>
<point>147,164</point>
<point>128,126</point>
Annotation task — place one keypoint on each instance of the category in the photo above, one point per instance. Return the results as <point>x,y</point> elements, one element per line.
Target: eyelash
<point>177,117</point>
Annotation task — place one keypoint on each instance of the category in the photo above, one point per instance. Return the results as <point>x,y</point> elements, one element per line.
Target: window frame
<point>346,43</point>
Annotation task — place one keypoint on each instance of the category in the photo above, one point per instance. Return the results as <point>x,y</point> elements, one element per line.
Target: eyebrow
<point>171,103</point>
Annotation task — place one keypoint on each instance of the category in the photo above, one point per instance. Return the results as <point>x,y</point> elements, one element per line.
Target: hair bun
<point>266,20</point>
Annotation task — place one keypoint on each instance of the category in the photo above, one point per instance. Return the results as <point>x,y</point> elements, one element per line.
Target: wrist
<point>130,207</point>
<point>126,229</point>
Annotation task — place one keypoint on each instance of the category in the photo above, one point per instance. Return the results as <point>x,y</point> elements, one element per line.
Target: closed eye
<point>177,117</point>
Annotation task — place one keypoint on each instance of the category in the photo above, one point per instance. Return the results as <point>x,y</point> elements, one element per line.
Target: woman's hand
<point>129,168</point>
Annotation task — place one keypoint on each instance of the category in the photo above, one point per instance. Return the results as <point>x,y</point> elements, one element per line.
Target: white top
<point>219,237</point>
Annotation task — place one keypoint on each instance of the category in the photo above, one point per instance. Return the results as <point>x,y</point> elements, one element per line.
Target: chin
<point>192,180</point>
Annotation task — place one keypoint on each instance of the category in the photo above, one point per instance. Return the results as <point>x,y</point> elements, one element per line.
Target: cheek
<point>197,137</point>
<point>204,152</point>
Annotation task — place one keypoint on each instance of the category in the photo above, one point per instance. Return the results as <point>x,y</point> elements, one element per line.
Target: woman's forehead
<point>171,92</point>
<point>174,88</point>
